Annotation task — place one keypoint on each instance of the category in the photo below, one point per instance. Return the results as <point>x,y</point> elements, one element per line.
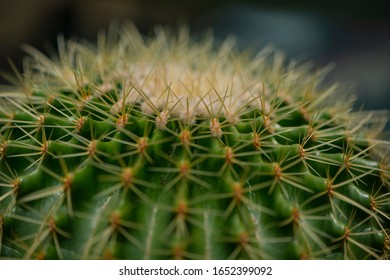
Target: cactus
<point>165,147</point>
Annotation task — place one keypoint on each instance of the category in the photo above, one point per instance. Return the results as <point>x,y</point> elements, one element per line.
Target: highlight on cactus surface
<point>166,147</point>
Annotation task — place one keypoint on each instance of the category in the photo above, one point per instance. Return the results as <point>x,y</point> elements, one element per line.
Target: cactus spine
<point>168,148</point>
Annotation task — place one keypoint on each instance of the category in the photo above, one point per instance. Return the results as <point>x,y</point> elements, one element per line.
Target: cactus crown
<point>170,148</point>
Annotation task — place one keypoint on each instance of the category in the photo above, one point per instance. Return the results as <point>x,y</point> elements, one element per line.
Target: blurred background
<point>354,35</point>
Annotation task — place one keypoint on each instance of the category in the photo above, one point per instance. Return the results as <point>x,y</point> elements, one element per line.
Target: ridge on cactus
<point>165,147</point>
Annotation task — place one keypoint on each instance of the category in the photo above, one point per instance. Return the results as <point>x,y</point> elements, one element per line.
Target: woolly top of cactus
<point>172,77</point>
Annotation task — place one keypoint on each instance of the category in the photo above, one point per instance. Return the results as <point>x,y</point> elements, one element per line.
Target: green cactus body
<point>167,148</point>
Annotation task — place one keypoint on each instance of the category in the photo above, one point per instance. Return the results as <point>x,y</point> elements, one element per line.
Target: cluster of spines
<point>92,173</point>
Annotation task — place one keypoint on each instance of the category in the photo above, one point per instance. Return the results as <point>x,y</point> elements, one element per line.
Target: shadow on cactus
<point>164,147</point>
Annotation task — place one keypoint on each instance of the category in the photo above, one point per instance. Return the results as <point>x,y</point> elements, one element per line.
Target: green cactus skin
<point>166,148</point>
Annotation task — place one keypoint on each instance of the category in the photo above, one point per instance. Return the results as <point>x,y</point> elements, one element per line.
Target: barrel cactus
<point>166,147</point>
